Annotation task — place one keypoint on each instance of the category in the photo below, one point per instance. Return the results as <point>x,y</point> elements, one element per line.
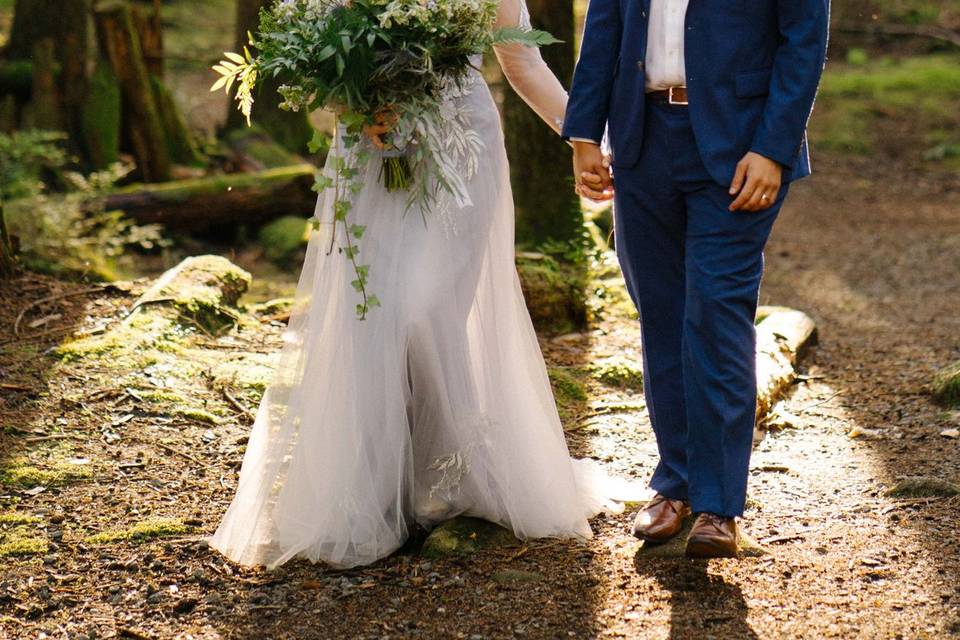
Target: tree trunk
<point>204,203</point>
<point>66,24</point>
<point>44,110</point>
<point>540,165</point>
<point>291,130</point>
<point>120,44</point>
<point>8,261</point>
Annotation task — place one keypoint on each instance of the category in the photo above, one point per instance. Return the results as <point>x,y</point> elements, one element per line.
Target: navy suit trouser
<point>693,270</point>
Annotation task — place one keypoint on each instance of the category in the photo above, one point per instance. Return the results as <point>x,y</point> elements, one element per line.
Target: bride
<point>438,404</point>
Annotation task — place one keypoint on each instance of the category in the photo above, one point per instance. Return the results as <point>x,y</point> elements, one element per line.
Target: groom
<point>706,104</point>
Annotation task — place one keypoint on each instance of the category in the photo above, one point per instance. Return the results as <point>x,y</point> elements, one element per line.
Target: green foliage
<point>915,97</point>
<point>25,158</point>
<point>72,233</point>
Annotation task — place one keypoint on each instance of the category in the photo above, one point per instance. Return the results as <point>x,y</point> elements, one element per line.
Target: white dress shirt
<point>664,66</point>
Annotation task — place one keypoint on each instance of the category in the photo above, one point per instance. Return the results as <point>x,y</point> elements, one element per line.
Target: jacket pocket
<point>750,84</point>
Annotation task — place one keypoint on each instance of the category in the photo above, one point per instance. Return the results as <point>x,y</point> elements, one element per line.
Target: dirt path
<point>133,481</point>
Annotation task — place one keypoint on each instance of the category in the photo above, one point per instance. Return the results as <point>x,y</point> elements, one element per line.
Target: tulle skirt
<point>437,404</point>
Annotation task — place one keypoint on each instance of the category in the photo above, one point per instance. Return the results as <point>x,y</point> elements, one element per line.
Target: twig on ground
<point>821,402</point>
<point>23,312</point>
<point>236,403</point>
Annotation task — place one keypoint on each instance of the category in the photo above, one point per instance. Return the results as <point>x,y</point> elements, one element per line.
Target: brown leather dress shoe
<point>661,519</point>
<point>713,536</point>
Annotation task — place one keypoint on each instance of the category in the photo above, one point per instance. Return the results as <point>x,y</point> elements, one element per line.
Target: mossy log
<point>201,203</point>
<point>120,44</point>
<point>782,335</point>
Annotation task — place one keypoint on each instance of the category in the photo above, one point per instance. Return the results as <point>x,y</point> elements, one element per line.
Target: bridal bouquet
<point>404,61</point>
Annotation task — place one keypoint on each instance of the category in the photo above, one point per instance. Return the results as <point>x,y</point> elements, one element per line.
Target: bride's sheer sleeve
<point>526,71</point>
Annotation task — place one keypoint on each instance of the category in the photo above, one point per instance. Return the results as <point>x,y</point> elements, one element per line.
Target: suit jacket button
<point>640,64</point>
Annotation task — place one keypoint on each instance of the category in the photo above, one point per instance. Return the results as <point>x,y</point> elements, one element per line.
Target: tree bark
<point>540,165</point>
<point>204,203</point>
<point>120,44</point>
<point>8,261</point>
<point>292,130</point>
<point>66,24</point>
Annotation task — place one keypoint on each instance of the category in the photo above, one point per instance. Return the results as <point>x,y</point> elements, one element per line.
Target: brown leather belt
<point>673,95</point>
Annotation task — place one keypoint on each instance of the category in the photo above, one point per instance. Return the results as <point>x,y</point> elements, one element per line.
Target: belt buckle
<point>670,99</point>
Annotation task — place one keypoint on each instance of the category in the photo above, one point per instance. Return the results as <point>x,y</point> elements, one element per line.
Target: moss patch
<point>141,332</point>
<point>142,531</point>
<point>555,293</point>
<point>946,386</point>
<point>618,372</point>
<point>22,474</point>
<point>9,519</point>
<point>21,541</point>
<point>282,238</point>
<point>466,535</point>
<point>200,415</point>
<point>569,391</point>
<point>923,487</point>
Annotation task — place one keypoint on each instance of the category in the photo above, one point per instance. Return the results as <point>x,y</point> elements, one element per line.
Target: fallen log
<point>202,203</point>
<point>782,335</point>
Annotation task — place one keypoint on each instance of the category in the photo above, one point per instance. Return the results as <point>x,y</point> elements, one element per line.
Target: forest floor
<point>109,479</point>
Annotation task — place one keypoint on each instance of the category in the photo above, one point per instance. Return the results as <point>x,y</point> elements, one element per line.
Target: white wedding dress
<point>437,404</point>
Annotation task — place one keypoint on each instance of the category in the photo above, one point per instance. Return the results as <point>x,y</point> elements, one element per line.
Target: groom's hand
<point>591,172</point>
<point>757,181</point>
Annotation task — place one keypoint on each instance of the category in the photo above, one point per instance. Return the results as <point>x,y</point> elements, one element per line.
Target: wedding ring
<point>763,197</point>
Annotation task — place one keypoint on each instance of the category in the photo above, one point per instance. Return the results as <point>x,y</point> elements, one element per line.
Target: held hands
<point>591,172</point>
<point>757,180</point>
<point>383,122</point>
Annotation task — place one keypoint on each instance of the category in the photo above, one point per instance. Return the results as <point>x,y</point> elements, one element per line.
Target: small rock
<point>185,605</point>
<point>515,577</point>
<point>953,434</point>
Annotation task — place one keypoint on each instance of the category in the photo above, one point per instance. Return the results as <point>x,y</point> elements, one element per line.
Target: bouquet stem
<point>396,173</point>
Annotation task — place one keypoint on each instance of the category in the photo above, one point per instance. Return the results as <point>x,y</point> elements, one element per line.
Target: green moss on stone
<point>200,415</point>
<point>283,237</point>
<point>923,487</point>
<point>465,535</point>
<point>142,531</point>
<point>618,372</point>
<point>555,294</point>
<point>946,386</point>
<point>569,391</point>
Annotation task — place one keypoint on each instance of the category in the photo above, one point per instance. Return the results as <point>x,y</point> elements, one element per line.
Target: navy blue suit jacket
<point>753,67</point>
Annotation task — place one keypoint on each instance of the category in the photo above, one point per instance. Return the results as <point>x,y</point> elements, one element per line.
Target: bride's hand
<point>383,123</point>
